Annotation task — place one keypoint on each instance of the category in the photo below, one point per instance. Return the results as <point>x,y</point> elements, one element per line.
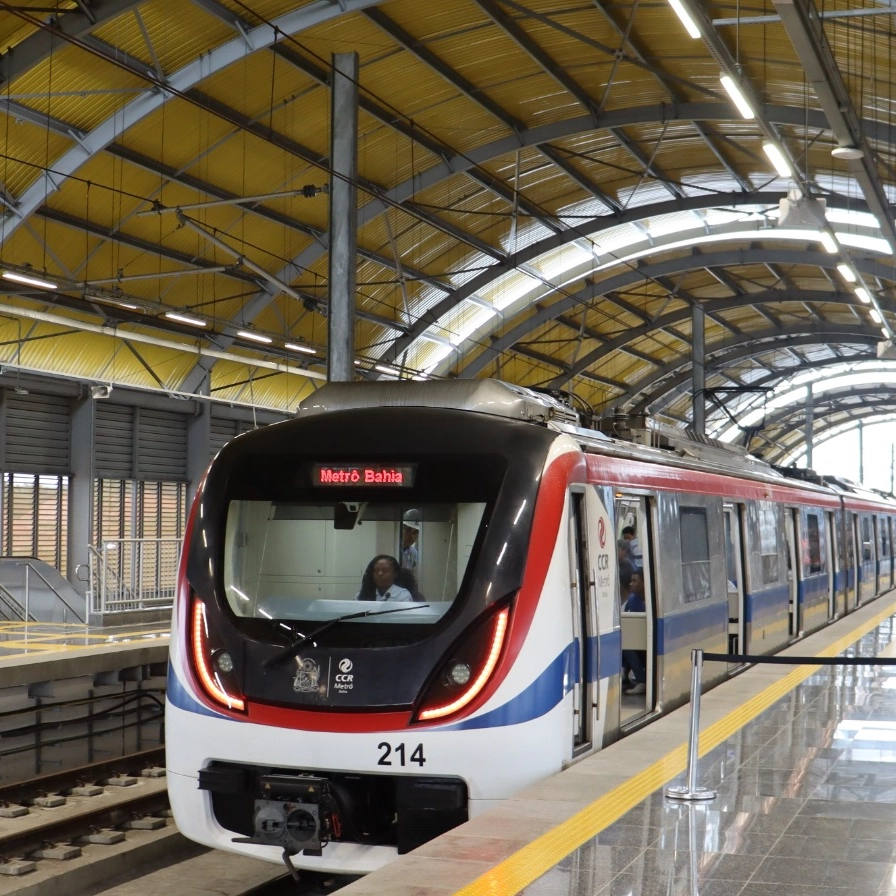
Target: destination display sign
<point>395,475</point>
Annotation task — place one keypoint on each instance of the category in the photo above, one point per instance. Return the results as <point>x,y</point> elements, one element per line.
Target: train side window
<point>695,574</point>
<point>631,527</point>
<point>768,541</point>
<point>867,539</point>
<point>814,552</point>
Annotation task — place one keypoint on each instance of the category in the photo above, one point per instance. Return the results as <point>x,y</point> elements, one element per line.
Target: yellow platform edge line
<point>529,863</point>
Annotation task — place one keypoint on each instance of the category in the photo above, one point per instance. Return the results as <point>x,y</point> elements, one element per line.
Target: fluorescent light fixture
<point>689,24</point>
<point>383,369</point>
<point>875,315</point>
<point>185,319</point>
<point>828,241</point>
<point>847,273</point>
<point>737,97</point>
<point>254,337</point>
<point>886,332</point>
<point>303,348</point>
<point>863,294</point>
<point>777,158</point>
<point>29,280</point>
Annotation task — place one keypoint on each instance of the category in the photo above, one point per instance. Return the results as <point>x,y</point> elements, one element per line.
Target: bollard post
<point>691,791</point>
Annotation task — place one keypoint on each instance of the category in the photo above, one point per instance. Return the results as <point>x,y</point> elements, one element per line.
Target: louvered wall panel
<point>222,430</point>
<point>38,433</point>
<point>114,441</point>
<point>161,449</point>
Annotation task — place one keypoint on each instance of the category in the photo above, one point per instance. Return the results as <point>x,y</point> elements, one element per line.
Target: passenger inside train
<point>634,662</point>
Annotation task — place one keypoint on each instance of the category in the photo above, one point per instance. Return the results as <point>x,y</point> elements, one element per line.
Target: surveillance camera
<point>100,391</point>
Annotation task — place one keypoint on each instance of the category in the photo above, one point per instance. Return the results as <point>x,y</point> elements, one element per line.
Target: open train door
<point>634,528</point>
<point>831,549</point>
<point>585,525</point>
<point>734,565</point>
<point>793,570</point>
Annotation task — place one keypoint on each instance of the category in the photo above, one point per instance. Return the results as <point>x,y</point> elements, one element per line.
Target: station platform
<point>39,651</point>
<point>802,760</point>
<point>24,638</point>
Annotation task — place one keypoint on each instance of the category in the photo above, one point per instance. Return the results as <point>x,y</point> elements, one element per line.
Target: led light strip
<point>489,667</point>
<point>209,682</point>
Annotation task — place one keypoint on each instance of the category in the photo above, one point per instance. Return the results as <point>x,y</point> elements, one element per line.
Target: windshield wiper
<point>301,642</point>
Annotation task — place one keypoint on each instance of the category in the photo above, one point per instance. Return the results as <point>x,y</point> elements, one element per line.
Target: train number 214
<point>395,755</point>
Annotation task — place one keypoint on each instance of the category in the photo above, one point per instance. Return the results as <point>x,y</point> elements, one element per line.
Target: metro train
<point>307,726</point>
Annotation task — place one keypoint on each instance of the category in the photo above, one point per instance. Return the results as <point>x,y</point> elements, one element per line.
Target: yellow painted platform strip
<point>538,857</point>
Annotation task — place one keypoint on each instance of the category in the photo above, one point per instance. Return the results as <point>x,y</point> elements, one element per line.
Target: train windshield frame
<point>300,547</point>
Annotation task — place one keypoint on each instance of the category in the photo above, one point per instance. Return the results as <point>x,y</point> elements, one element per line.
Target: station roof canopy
<point>559,193</point>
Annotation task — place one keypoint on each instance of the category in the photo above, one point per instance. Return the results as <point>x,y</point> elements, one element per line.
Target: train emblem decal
<point>307,677</point>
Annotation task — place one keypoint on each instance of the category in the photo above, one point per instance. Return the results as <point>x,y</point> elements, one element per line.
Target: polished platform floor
<point>33,638</point>
<point>802,760</point>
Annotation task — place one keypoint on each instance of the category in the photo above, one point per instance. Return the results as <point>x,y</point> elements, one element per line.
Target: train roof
<point>634,436</point>
<point>493,397</point>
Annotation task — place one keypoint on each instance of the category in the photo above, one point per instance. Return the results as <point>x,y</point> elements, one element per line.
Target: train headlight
<point>473,660</point>
<point>207,662</point>
<point>459,673</point>
<point>224,662</point>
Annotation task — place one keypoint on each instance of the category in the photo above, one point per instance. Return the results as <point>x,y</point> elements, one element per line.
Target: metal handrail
<point>30,568</point>
<point>7,598</point>
<point>129,575</point>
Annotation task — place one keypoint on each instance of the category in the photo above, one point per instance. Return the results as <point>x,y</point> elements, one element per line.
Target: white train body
<point>309,721</point>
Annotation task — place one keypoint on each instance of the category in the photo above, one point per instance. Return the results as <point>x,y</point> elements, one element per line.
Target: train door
<point>831,550</point>
<point>584,620</point>
<point>793,565</point>
<point>636,589</point>
<point>865,560</point>
<point>884,561</point>
<point>887,552</point>
<point>735,573</point>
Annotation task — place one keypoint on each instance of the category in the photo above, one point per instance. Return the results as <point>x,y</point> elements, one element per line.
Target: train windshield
<point>319,560</point>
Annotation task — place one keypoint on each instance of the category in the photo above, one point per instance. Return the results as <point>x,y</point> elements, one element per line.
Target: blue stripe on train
<point>178,696</point>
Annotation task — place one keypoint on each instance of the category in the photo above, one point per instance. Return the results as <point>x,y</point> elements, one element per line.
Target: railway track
<point>106,828</point>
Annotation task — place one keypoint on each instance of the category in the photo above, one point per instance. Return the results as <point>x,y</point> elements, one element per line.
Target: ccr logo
<point>343,681</point>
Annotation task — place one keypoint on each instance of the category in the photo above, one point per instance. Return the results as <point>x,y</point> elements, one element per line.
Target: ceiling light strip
<point>29,280</point>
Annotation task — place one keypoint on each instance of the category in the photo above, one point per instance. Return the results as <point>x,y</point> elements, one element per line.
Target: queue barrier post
<point>691,791</point>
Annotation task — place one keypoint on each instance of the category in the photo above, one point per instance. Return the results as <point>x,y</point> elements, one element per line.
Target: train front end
<point>311,720</point>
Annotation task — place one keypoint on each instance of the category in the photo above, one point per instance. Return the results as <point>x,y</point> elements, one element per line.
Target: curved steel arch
<point>263,36</point>
<point>711,306</point>
<point>746,346</point>
<point>159,92</point>
<point>672,318</point>
<point>826,417</point>
<point>683,388</point>
<point>630,277</point>
<point>832,401</point>
<point>774,378</point>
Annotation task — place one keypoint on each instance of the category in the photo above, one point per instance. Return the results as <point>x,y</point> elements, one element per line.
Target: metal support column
<point>698,350</point>
<point>199,441</point>
<point>343,217</point>
<point>810,424</point>
<point>81,495</point>
<point>861,451</point>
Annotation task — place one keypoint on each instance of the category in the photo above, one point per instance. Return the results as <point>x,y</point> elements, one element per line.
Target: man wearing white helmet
<point>410,532</point>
